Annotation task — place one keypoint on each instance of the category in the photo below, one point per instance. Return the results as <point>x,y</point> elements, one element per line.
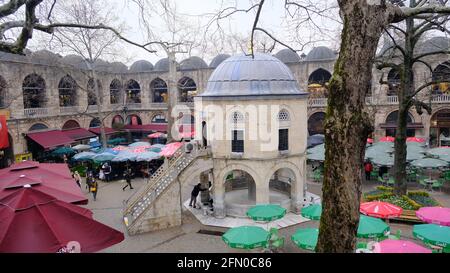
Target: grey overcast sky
<point>194,15</point>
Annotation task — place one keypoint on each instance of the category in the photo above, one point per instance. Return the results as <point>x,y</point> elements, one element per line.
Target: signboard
<point>22,157</point>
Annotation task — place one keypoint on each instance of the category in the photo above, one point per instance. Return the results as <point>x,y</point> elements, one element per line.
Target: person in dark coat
<point>94,188</point>
<point>127,176</point>
<point>195,191</point>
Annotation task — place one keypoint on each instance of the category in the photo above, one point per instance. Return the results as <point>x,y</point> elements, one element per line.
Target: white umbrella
<point>81,147</point>
<point>147,156</point>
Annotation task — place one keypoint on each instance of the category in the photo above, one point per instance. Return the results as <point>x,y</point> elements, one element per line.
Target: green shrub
<point>403,202</point>
<point>384,188</point>
<point>424,201</point>
<point>383,195</point>
<point>420,193</point>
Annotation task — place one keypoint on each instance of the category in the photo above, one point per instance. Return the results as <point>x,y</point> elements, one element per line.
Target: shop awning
<point>108,130</point>
<point>50,139</point>
<point>394,126</point>
<point>159,127</point>
<point>79,133</point>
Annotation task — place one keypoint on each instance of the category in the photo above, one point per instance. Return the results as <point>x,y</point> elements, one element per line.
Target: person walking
<point>195,191</point>
<point>368,169</point>
<point>89,180</point>
<point>77,177</point>
<point>127,176</point>
<point>106,171</point>
<point>94,188</point>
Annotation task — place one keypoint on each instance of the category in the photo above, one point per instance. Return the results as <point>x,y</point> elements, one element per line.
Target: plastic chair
<point>438,184</point>
<point>381,180</point>
<point>361,245</point>
<point>390,181</point>
<point>422,182</point>
<point>373,175</point>
<point>317,175</point>
<point>447,176</point>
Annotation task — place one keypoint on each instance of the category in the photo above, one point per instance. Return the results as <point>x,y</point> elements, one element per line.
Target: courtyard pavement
<point>108,210</point>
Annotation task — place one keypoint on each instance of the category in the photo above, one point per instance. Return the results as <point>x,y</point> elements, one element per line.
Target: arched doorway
<point>33,147</point>
<point>159,118</point>
<point>280,186</point>
<point>70,124</point>
<point>133,120</point>
<point>95,123</point>
<point>38,127</point>
<point>117,122</point>
<point>391,125</point>
<point>318,83</point>
<point>393,79</point>
<point>240,191</point>
<point>440,128</point>
<point>315,123</point>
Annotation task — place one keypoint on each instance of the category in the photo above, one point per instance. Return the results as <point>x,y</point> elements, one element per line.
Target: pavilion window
<point>237,142</point>
<point>283,139</point>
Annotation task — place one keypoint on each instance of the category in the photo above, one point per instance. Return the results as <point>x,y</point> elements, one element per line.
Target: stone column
<point>251,190</point>
<point>262,192</point>
<point>219,199</point>
<point>298,192</point>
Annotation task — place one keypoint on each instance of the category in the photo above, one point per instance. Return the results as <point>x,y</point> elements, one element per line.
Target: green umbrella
<point>63,151</point>
<point>415,149</point>
<point>316,149</point>
<point>433,234</point>
<point>246,237</point>
<point>312,212</point>
<point>429,163</point>
<point>370,227</point>
<point>267,212</point>
<point>385,160</point>
<point>317,156</point>
<point>115,141</point>
<point>410,156</point>
<point>103,157</point>
<point>439,151</point>
<point>306,238</point>
<point>380,148</point>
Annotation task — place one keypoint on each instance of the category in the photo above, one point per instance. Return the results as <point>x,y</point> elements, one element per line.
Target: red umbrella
<point>415,139</point>
<point>380,209</point>
<point>52,178</point>
<point>369,140</point>
<point>32,221</point>
<point>156,135</point>
<point>387,139</point>
<point>170,149</point>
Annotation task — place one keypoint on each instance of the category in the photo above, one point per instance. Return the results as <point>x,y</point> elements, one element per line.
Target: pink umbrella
<point>369,140</point>
<point>415,139</point>
<point>157,135</point>
<point>120,148</point>
<point>387,139</point>
<point>434,215</point>
<point>139,150</point>
<point>170,149</point>
<point>380,209</point>
<point>399,246</point>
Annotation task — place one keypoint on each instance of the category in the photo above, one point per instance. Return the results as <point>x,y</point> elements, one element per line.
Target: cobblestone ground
<point>108,210</point>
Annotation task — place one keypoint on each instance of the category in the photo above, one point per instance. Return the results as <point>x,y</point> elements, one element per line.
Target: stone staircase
<point>138,205</point>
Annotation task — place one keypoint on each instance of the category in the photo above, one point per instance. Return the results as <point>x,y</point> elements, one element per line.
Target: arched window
<point>38,126</point>
<point>33,88</point>
<point>315,123</point>
<point>2,92</point>
<point>391,125</point>
<point>117,122</point>
<point>318,83</point>
<point>237,118</point>
<point>441,74</point>
<point>393,79</point>
<point>70,124</point>
<point>158,87</point>
<point>133,120</point>
<point>115,92</point>
<point>67,89</point>
<point>92,93</point>
<point>159,119</point>
<point>95,122</point>
<point>283,115</point>
<point>187,89</point>
<point>133,90</point>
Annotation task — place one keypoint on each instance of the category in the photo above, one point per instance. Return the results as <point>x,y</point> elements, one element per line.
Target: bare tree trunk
<point>406,88</point>
<point>99,110</point>
<point>172,93</point>
<point>347,125</point>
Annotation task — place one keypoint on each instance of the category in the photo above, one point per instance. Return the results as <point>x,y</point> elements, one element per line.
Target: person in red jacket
<point>368,169</point>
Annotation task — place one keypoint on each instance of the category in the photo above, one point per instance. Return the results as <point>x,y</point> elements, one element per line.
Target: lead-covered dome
<point>118,67</point>
<point>287,56</point>
<point>192,63</point>
<point>320,53</point>
<point>241,75</point>
<point>218,60</point>
<point>75,61</point>
<point>162,65</point>
<point>435,44</point>
<point>141,66</point>
<point>45,57</point>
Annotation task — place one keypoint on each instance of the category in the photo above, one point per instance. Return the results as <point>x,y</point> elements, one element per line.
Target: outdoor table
<point>430,183</point>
